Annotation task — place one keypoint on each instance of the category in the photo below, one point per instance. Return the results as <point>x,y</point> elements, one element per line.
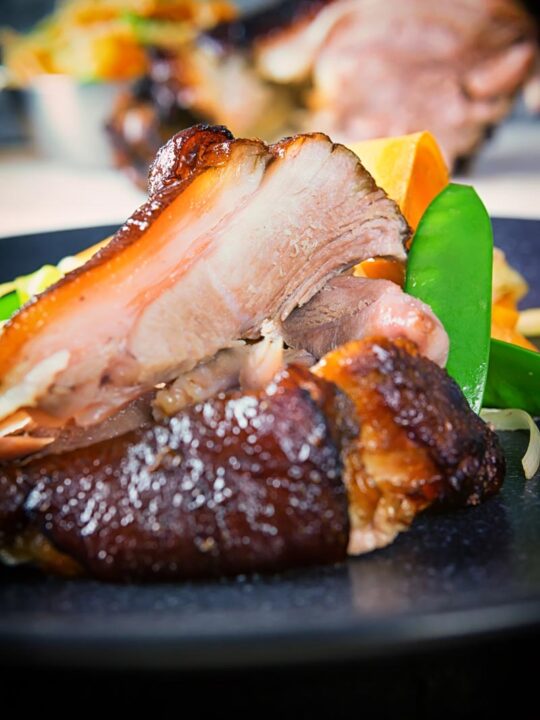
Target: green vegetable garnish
<point>8,305</point>
<point>450,268</point>
<point>513,378</point>
<point>14,294</point>
<point>36,282</point>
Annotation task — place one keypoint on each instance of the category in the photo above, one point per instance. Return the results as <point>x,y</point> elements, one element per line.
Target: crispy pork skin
<point>351,308</point>
<point>240,483</point>
<point>298,473</point>
<point>419,443</point>
<point>234,233</point>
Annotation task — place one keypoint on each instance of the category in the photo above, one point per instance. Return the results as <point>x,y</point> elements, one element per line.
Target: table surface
<point>37,194</point>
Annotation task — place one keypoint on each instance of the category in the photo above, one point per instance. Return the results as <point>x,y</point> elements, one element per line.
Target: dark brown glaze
<point>245,31</point>
<point>15,484</point>
<point>419,445</point>
<point>431,407</point>
<point>238,484</point>
<point>187,154</point>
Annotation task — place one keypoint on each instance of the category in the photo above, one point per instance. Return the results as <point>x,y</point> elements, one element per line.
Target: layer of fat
<point>34,384</point>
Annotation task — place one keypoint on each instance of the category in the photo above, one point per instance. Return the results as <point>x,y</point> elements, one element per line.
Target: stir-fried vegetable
<point>513,419</point>
<point>449,268</point>
<point>514,378</point>
<point>8,304</point>
<point>103,40</point>
<point>509,287</point>
<point>529,322</point>
<point>15,293</point>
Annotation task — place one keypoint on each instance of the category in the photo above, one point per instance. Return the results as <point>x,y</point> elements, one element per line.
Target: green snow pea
<point>513,378</point>
<point>8,304</point>
<point>450,268</point>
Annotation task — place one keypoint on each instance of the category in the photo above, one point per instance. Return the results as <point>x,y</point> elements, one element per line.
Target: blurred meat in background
<point>355,69</point>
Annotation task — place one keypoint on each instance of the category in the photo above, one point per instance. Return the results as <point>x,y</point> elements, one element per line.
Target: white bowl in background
<point>67,119</point>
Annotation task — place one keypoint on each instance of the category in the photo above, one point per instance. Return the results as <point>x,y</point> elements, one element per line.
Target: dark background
<point>22,14</point>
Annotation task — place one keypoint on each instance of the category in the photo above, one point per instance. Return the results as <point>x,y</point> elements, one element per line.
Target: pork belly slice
<point>301,472</point>
<point>234,233</point>
<point>352,308</point>
<point>246,366</point>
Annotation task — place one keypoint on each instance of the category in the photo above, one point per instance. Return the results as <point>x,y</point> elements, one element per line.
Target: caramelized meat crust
<point>340,458</point>
<point>419,444</point>
<point>238,484</point>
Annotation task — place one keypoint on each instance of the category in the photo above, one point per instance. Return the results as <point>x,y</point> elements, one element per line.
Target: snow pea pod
<point>8,304</point>
<point>450,268</point>
<point>513,378</point>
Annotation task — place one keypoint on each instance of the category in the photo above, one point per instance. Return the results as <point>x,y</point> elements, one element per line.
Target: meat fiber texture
<point>351,308</point>
<point>235,233</point>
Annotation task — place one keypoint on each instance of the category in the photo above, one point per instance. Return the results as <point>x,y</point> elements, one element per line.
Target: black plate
<point>459,577</point>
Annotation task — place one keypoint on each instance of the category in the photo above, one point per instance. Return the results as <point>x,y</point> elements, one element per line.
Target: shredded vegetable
<point>529,322</point>
<point>513,419</point>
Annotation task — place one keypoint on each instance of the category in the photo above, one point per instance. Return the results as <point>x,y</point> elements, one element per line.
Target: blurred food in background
<point>355,69</point>
<point>104,40</point>
<point>75,62</point>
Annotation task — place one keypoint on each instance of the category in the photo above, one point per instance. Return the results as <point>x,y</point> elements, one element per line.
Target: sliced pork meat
<point>235,233</point>
<point>298,473</point>
<point>210,82</point>
<point>351,308</point>
<point>356,69</point>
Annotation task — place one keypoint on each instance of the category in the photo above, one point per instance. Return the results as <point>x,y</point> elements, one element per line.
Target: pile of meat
<point>215,392</point>
<point>353,68</point>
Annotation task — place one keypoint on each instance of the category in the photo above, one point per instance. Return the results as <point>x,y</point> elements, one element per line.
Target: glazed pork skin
<point>295,474</point>
<point>352,308</point>
<point>419,443</point>
<point>235,232</point>
<point>238,484</point>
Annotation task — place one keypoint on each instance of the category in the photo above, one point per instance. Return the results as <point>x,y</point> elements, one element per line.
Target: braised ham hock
<point>316,465</point>
<point>152,424</point>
